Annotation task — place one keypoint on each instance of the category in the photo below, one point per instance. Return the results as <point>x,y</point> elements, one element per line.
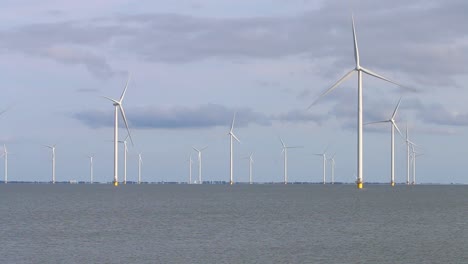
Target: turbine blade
<point>282,142</point>
<point>196,149</point>
<point>396,109</point>
<point>234,136</point>
<point>376,122</point>
<point>380,76</point>
<point>342,79</point>
<point>125,90</point>
<point>356,49</point>
<point>122,112</point>
<point>233,119</point>
<point>399,132</point>
<point>203,148</point>
<point>295,147</point>
<point>114,101</point>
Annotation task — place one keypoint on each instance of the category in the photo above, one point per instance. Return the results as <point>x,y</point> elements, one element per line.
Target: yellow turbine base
<point>116,184</point>
<point>231,183</point>
<point>392,183</point>
<point>359,185</point>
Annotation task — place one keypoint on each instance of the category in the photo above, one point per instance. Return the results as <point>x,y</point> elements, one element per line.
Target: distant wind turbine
<point>285,155</point>
<point>332,164</point>
<point>125,158</point>
<point>190,169</point>
<point>231,137</point>
<point>5,156</point>
<point>118,107</point>
<point>91,169</point>
<point>53,161</point>
<point>250,167</point>
<point>140,161</point>
<point>324,156</point>
<point>359,69</point>
<point>199,163</point>
<point>408,155</point>
<point>415,154</point>
<point>392,148</point>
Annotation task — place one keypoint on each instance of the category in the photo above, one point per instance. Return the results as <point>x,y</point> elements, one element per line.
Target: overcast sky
<point>193,63</point>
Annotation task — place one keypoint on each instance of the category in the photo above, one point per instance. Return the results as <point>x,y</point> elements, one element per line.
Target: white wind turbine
<point>413,156</point>
<point>53,161</point>
<point>125,158</point>
<point>5,156</point>
<point>118,107</point>
<point>190,169</point>
<point>324,156</point>
<point>285,155</point>
<point>332,165</point>
<point>140,161</point>
<point>359,69</point>
<point>231,137</point>
<point>408,155</point>
<point>91,168</point>
<point>392,142</point>
<point>250,167</point>
<point>199,163</point>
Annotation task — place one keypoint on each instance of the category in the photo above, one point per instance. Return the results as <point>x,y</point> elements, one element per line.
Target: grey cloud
<point>203,116</point>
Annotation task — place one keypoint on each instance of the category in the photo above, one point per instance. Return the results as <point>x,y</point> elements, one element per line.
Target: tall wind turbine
<point>140,161</point>
<point>199,163</point>
<point>332,164</point>
<point>392,147</point>
<point>359,69</point>
<point>5,156</point>
<point>190,169</point>
<point>250,167</point>
<point>118,107</point>
<point>324,156</point>
<point>285,155</point>
<point>91,169</point>
<point>231,137</point>
<point>53,161</point>
<point>414,155</point>
<point>125,158</point>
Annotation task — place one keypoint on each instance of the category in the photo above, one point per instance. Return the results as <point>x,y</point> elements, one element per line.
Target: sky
<point>194,63</point>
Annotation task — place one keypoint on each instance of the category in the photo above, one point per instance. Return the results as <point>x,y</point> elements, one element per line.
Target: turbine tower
<point>359,69</point>
<point>250,167</point>
<point>199,163</point>
<point>91,169</point>
<point>53,161</point>
<point>125,158</point>
<point>408,155</point>
<point>392,146</point>
<point>231,137</point>
<point>324,156</point>
<point>285,155</point>
<point>140,161</point>
<point>332,165</point>
<point>118,108</point>
<point>5,156</point>
<point>190,169</point>
<point>415,154</point>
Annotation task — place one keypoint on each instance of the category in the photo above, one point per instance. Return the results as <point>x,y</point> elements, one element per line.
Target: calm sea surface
<point>43,223</point>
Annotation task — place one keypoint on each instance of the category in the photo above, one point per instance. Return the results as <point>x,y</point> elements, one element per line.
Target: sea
<point>259,223</point>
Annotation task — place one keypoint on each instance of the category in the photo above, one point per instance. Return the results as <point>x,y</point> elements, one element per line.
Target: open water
<point>44,223</point>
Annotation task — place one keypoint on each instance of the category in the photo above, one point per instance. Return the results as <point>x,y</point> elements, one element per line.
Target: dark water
<point>238,224</point>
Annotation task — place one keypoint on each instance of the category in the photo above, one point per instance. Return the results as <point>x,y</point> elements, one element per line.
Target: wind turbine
<point>332,164</point>
<point>285,155</point>
<point>231,137</point>
<point>250,167</point>
<point>408,154</point>
<point>5,155</point>
<point>91,168</point>
<point>140,161</point>
<point>359,69</point>
<point>118,107</point>
<point>199,163</point>
<point>125,158</point>
<point>415,154</point>
<point>53,161</point>
<point>190,169</point>
<point>324,156</point>
<point>392,152</point>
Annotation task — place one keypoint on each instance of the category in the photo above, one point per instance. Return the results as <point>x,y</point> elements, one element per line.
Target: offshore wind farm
<point>255,131</point>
